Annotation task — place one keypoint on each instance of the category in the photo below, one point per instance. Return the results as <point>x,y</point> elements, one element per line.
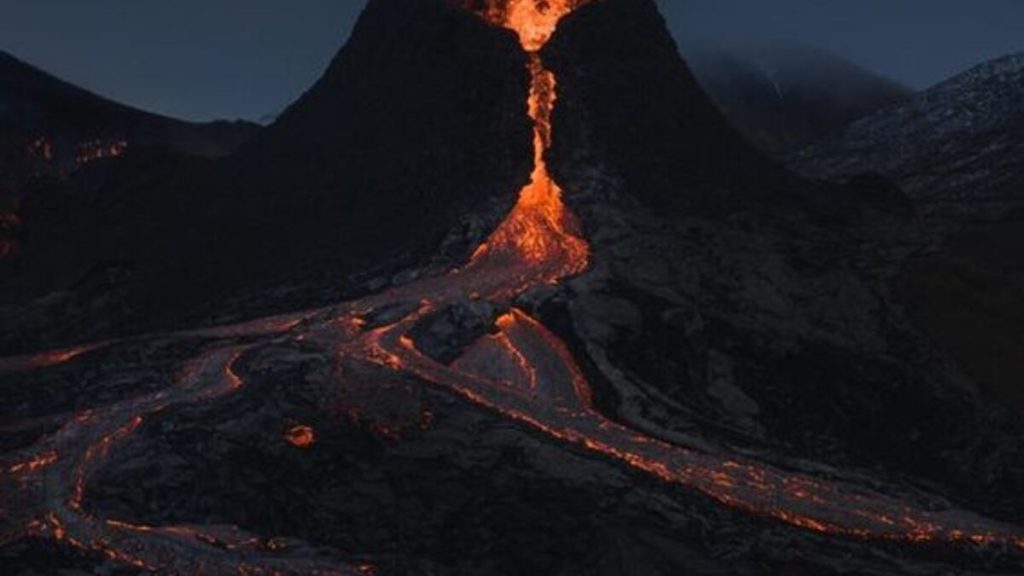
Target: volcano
<point>603,335</point>
<point>355,159</point>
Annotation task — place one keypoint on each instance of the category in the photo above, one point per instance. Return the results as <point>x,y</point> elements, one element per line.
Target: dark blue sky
<point>203,59</point>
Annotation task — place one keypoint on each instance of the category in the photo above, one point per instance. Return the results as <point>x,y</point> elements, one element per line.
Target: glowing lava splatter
<point>300,436</point>
<point>522,372</point>
<point>88,152</point>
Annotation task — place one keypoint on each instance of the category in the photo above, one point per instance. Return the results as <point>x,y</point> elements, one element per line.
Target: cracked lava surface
<point>521,371</point>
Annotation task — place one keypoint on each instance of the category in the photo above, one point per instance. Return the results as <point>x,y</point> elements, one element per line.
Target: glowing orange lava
<point>300,436</point>
<point>533,20</point>
<point>234,380</point>
<point>98,149</point>
<point>522,371</point>
<point>46,359</point>
<point>540,229</point>
<point>36,463</point>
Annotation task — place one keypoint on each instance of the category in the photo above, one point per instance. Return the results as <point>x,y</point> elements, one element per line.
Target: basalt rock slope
<point>627,98</point>
<point>784,97</point>
<point>957,152</point>
<point>51,120</point>
<point>49,129</point>
<point>688,362</point>
<point>729,299</point>
<point>415,135</point>
<point>956,149</point>
<point>417,122</point>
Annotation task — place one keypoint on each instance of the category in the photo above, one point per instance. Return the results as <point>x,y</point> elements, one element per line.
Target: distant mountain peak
<point>955,148</point>
<point>784,96</point>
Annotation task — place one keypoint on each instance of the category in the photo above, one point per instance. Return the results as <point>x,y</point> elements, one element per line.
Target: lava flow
<point>540,230</point>
<point>522,372</point>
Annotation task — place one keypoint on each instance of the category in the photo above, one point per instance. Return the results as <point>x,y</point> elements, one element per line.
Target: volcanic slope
<point>524,410</point>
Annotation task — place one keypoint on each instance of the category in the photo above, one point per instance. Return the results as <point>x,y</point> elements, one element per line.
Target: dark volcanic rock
<point>44,120</point>
<point>416,134</point>
<point>731,302</point>
<point>629,105</point>
<point>34,103</point>
<point>730,310</point>
<point>49,129</point>
<point>463,492</point>
<point>418,122</point>
<point>784,97</point>
<point>445,334</point>
<point>966,296</point>
<point>957,149</point>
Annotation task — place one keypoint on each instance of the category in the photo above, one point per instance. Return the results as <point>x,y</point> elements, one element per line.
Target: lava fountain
<point>540,229</point>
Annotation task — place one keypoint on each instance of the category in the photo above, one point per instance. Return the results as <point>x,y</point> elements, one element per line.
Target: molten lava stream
<point>531,379</point>
<point>540,232</point>
<point>558,405</point>
<point>45,359</point>
<point>497,358</point>
<point>49,487</point>
<point>527,359</point>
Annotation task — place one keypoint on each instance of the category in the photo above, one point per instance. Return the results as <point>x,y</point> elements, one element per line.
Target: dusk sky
<point>204,59</point>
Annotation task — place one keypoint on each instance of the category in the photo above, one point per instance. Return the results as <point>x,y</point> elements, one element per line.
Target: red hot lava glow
<point>540,229</point>
<point>300,436</point>
<point>522,372</point>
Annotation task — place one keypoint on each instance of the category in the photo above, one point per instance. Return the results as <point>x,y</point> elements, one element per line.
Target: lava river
<point>521,371</point>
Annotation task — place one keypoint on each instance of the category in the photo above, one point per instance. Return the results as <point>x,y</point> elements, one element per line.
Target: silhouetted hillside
<point>50,127</point>
<point>417,132</point>
<point>784,97</point>
<point>72,125</point>
<point>957,149</point>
